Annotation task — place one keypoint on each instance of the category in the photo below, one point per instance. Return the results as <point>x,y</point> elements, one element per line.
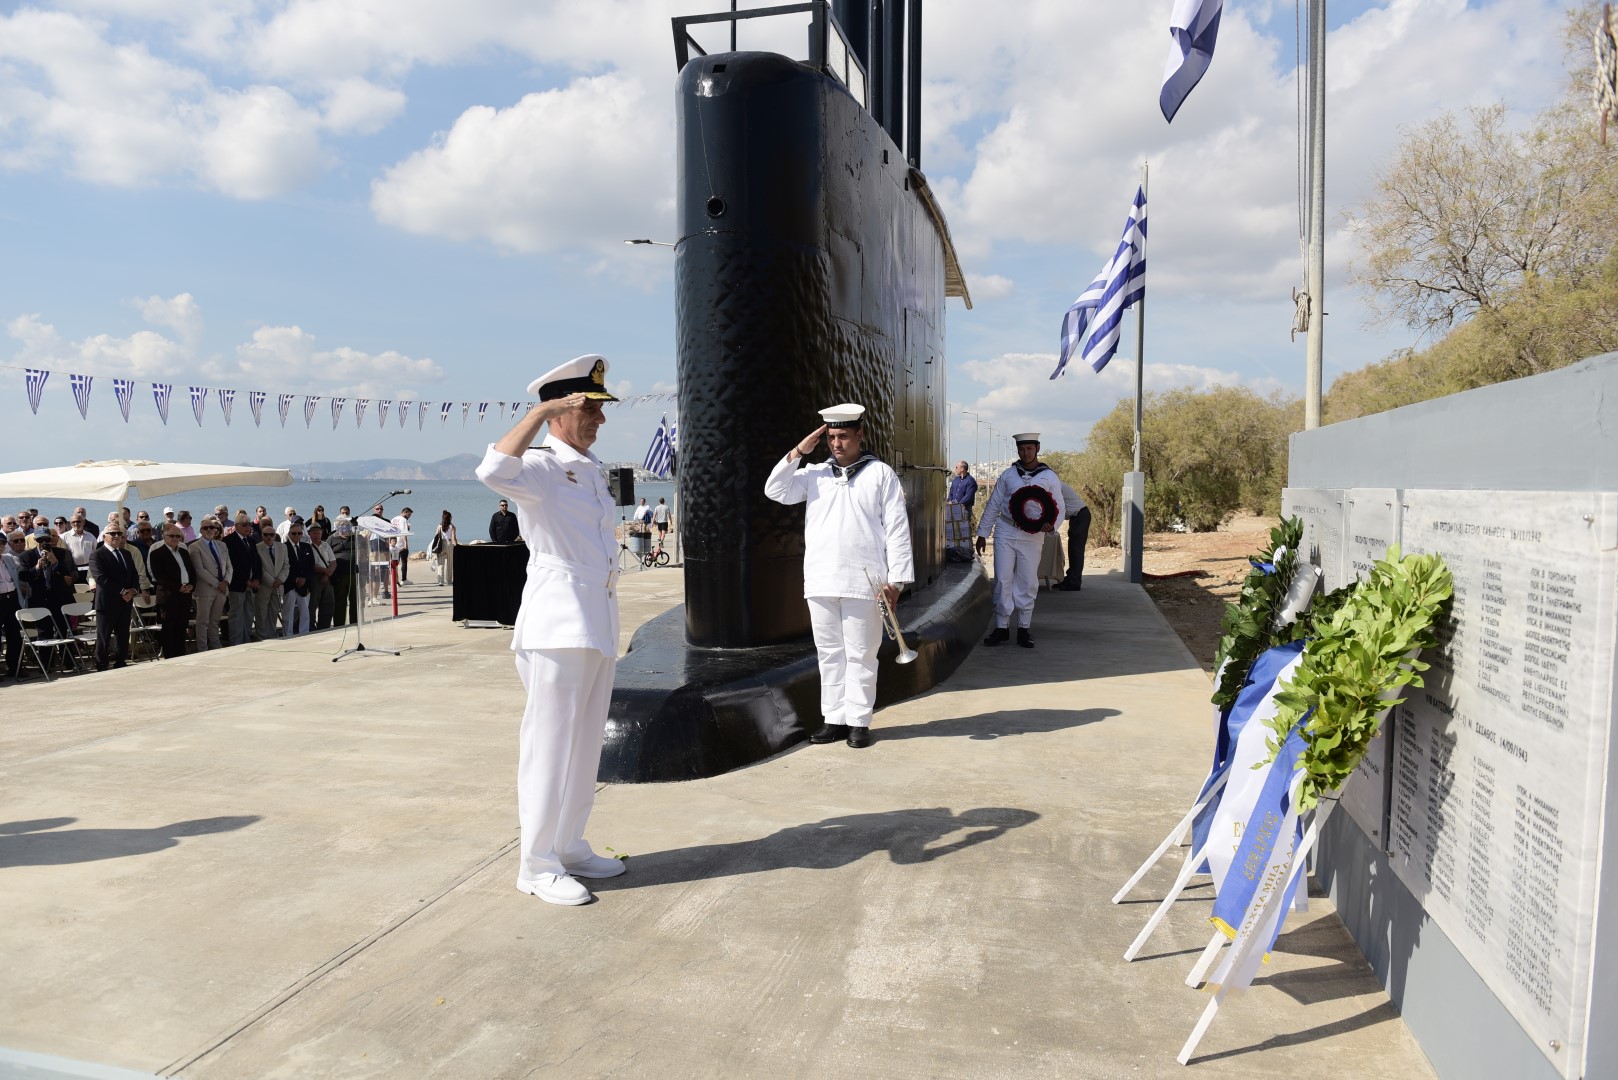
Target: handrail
<point>823,23</point>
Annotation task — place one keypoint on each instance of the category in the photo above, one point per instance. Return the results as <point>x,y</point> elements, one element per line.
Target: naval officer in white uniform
<point>566,638</point>
<point>1017,544</point>
<point>854,524</point>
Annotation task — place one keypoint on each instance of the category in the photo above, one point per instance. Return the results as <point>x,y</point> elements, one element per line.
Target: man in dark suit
<point>244,572</point>
<point>117,585</point>
<point>169,564</point>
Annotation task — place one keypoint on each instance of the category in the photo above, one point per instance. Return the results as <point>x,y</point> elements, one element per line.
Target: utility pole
<point>1313,366</point>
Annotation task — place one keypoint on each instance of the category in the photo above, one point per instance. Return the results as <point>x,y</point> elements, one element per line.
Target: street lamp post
<point>975,422</point>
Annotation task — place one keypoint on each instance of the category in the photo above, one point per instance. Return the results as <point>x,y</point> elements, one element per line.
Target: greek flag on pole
<point>81,393</point>
<point>661,450</point>
<point>1194,26</point>
<point>227,398</point>
<point>199,402</point>
<point>283,405</point>
<point>124,391</point>
<point>255,402</point>
<point>160,394</point>
<point>336,411</point>
<point>36,386</point>
<point>310,403</point>
<point>1093,324</point>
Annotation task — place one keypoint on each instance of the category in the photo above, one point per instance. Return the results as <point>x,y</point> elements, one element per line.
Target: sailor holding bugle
<point>856,534</point>
<point>566,636</point>
<point>1025,504</point>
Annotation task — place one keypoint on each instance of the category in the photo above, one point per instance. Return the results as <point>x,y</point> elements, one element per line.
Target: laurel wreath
<point>1355,661</point>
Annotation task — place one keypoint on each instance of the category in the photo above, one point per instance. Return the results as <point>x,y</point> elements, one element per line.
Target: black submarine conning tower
<point>812,265</point>
<point>877,35</point>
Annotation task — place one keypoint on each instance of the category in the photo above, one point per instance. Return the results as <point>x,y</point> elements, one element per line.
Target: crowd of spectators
<point>239,577</point>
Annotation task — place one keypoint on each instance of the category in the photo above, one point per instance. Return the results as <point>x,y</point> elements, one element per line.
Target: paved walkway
<point>262,863</point>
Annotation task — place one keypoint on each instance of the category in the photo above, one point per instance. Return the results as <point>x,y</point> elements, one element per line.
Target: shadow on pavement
<point>994,725</point>
<point>905,835</point>
<point>1379,1014</point>
<point>28,843</point>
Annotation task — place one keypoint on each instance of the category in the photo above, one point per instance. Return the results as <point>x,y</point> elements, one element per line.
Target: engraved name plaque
<point>1498,764</point>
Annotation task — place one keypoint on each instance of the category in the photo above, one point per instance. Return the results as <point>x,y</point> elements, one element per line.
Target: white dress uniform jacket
<point>565,513</point>
<point>848,528</point>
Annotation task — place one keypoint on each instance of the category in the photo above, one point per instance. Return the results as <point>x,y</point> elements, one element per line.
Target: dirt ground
<point>1208,569</point>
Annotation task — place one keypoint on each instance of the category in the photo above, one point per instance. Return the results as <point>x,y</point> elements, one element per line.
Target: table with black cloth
<point>489,579</point>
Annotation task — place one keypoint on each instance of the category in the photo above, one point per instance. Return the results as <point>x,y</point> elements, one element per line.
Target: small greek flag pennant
<point>382,408</point>
<point>283,405</point>
<point>160,394</point>
<point>81,393</point>
<point>199,402</point>
<point>227,398</point>
<point>310,403</point>
<point>255,401</point>
<point>36,386</point>
<point>336,411</point>
<point>124,391</point>
<point>359,409</point>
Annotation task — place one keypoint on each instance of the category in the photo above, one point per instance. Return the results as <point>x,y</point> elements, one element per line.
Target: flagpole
<point>1313,366</point>
<point>1134,500</point>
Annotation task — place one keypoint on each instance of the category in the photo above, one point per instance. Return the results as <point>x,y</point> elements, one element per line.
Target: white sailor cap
<point>846,415</point>
<point>585,375</point>
<point>1027,436</point>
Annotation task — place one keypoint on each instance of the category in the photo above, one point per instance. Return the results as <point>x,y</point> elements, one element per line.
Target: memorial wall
<point>1486,789</point>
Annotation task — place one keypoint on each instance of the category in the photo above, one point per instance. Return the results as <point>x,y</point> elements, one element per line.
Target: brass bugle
<point>890,623</point>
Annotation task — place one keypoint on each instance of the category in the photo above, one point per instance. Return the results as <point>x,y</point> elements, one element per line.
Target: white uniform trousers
<point>210,609</point>
<point>848,632</point>
<point>559,753</point>
<point>1016,578</point>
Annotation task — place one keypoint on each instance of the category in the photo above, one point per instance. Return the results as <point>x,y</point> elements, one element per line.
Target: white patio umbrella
<point>112,481</point>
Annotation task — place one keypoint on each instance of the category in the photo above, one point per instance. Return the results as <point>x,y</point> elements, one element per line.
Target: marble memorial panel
<point>1498,764</point>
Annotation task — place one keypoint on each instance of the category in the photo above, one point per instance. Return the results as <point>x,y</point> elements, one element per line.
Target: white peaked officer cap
<point>846,415</point>
<point>585,375</point>
<point>1027,436</point>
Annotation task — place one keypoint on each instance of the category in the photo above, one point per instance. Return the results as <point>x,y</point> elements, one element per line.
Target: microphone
<point>402,491</point>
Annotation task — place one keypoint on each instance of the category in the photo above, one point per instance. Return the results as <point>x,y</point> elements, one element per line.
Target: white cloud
<point>117,114</point>
<point>988,287</point>
<point>587,164</point>
<point>143,354</point>
<point>180,313</point>
<point>356,106</point>
<point>287,356</point>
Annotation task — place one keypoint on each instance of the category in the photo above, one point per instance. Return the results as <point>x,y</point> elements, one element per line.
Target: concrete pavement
<point>259,862</point>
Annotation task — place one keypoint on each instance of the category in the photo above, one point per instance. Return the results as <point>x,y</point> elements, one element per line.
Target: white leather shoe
<point>556,889</point>
<point>598,866</point>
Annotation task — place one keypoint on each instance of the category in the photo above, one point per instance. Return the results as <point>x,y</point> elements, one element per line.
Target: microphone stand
<point>360,599</point>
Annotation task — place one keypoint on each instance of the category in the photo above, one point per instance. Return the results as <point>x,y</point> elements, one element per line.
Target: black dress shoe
<point>1025,639</point>
<point>998,635</point>
<point>1070,586</point>
<point>829,733</point>
<point>859,737</point>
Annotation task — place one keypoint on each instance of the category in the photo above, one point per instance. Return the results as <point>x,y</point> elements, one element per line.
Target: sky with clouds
<point>420,200</point>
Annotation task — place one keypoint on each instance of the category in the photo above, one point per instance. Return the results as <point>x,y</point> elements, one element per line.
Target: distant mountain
<point>459,467</point>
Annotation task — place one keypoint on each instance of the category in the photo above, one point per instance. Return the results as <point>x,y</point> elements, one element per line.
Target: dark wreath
<point>1032,508</point>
